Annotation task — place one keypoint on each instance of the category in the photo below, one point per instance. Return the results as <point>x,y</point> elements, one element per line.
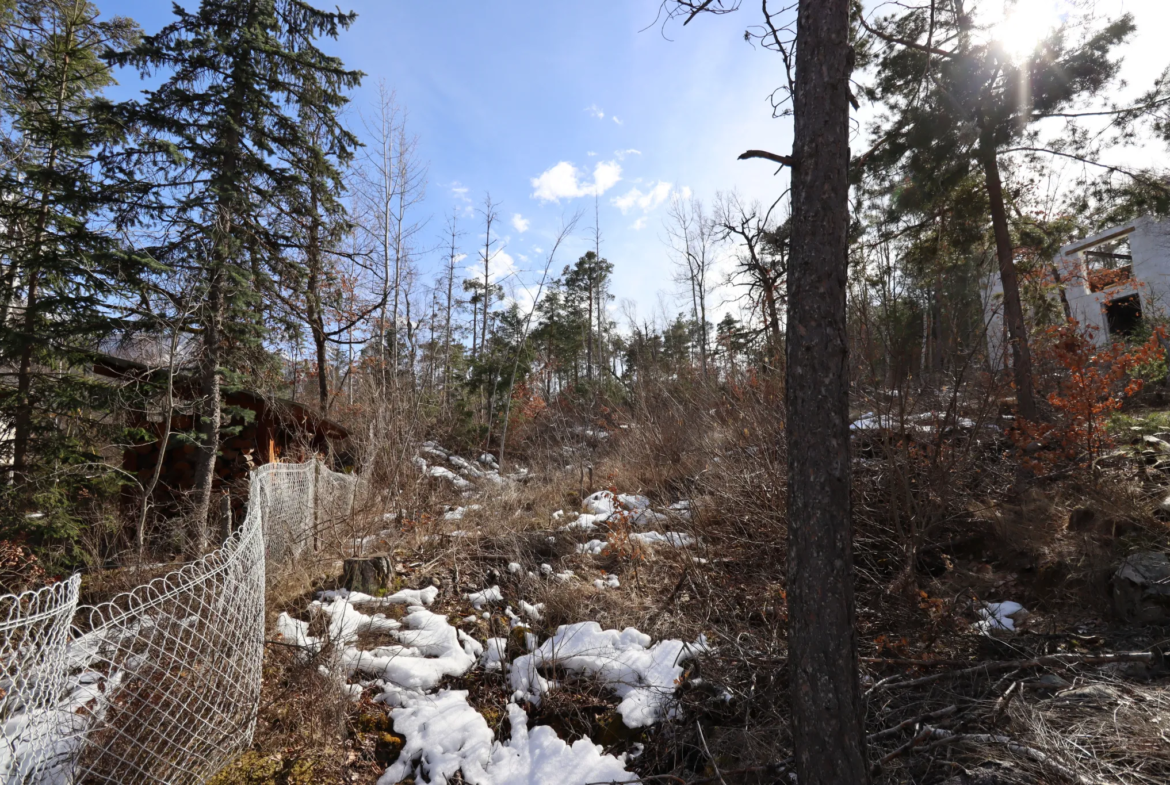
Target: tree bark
<point>210,417</point>
<point>1013,310</point>
<point>828,730</point>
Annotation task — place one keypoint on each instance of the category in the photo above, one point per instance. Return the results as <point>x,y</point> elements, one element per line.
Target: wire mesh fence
<point>34,636</point>
<point>161,684</point>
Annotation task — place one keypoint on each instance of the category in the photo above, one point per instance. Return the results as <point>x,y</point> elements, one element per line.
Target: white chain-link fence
<point>161,684</point>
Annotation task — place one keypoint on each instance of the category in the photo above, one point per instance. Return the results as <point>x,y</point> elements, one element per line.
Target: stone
<point>1154,443</point>
<point>1051,681</point>
<point>1141,588</point>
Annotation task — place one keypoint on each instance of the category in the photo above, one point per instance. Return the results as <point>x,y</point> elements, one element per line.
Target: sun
<point>1025,24</point>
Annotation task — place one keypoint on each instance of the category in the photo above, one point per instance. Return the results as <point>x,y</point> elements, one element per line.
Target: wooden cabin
<point>261,430</point>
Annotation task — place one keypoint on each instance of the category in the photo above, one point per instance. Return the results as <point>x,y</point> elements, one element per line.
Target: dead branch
<point>783,160</point>
<point>1052,660</point>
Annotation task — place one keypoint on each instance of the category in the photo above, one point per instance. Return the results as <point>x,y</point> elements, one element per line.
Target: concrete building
<point>1111,281</point>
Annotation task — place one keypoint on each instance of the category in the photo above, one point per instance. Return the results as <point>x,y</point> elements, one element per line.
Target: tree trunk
<point>828,731</point>
<point>1013,310</point>
<point>22,427</point>
<point>210,415</point>
<point>372,575</point>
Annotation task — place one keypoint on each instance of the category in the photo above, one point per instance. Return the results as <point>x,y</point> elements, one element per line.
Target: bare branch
<point>783,160</point>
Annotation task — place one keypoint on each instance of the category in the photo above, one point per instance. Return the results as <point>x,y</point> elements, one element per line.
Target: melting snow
<point>643,676</point>
<point>677,539</point>
<point>999,615</point>
<point>594,547</point>
<point>445,735</point>
<point>479,599</point>
<point>600,503</point>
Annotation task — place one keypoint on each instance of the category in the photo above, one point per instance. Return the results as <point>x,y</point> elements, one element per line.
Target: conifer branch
<point>905,41</point>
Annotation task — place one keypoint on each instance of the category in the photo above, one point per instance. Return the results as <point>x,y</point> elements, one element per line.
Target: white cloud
<point>619,122</point>
<point>640,224</point>
<point>520,223</point>
<point>595,112</point>
<point>502,265</point>
<point>591,154</point>
<point>564,181</point>
<point>621,154</point>
<point>460,192</point>
<point>646,202</point>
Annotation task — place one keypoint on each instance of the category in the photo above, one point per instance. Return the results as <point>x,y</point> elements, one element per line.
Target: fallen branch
<point>1051,660</point>
<point>948,737</point>
<point>901,726</point>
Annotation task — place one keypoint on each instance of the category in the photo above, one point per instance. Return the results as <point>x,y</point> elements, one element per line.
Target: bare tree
<point>761,259</point>
<point>693,237</point>
<point>566,230</point>
<point>490,213</point>
<point>449,274</point>
<point>394,182</point>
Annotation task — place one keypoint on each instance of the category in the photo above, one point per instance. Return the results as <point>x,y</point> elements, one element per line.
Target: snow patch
<point>445,735</point>
<point>643,676</point>
<point>677,539</point>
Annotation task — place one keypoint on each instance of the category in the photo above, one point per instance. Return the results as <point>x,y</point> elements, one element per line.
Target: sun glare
<point>1025,24</point>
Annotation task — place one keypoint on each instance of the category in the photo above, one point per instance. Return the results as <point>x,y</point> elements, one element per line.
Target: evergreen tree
<point>62,266</point>
<point>586,284</point>
<point>228,119</point>
<point>958,100</point>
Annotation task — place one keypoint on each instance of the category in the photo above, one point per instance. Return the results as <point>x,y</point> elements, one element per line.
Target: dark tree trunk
<point>1013,311</point>
<point>210,414</point>
<point>827,725</point>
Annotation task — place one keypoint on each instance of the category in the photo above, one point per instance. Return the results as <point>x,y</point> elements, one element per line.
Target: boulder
<point>1141,588</point>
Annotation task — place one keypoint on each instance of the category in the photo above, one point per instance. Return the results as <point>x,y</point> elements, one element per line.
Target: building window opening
<point>1123,315</point>
<point>1108,264</point>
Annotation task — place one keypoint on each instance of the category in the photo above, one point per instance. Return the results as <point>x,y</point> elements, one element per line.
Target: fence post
<point>316,485</point>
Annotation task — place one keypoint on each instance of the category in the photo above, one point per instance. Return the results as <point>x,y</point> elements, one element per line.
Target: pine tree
<point>958,101</point>
<point>228,119</point>
<point>62,266</point>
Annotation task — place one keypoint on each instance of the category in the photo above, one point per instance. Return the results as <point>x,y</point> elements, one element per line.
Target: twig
<point>710,757</point>
<point>901,726</point>
<point>1043,758</point>
<point>697,11</point>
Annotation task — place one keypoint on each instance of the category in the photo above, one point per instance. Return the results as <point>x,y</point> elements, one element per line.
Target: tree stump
<point>368,574</point>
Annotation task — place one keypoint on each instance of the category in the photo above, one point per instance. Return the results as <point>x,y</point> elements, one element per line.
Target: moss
<point>373,722</point>
<point>388,748</point>
<point>301,773</point>
<point>253,768</point>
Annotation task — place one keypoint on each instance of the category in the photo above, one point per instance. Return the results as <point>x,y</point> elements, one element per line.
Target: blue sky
<point>528,98</point>
<point>499,93</point>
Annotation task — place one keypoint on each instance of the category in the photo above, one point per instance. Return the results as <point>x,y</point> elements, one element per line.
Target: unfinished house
<point>1111,282</point>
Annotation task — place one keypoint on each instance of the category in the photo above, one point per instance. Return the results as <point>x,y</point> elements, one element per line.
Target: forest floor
<point>546,629</point>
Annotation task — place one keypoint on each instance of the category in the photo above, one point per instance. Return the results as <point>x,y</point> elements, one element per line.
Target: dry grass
<point>935,534</point>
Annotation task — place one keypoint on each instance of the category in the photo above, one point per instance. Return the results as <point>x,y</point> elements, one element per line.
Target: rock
<point>1051,681</point>
<point>1154,443</point>
<point>371,575</point>
<point>1141,588</point>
